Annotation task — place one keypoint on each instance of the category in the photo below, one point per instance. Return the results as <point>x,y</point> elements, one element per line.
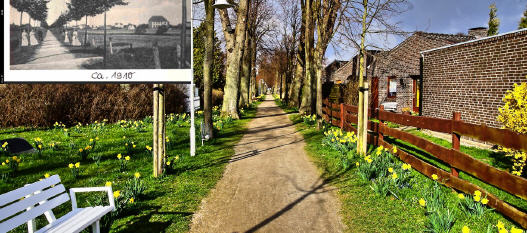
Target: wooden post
<point>155,128</point>
<point>456,141</point>
<point>342,115</point>
<point>105,55</point>
<point>365,120</point>
<point>161,130</point>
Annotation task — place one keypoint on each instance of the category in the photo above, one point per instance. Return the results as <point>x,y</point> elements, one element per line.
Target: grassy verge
<point>364,211</point>
<point>167,204</point>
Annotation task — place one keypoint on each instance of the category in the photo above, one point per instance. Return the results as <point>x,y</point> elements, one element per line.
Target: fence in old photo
<point>345,117</point>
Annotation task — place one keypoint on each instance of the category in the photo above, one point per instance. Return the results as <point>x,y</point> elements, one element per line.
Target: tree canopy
<point>523,20</point>
<point>494,22</point>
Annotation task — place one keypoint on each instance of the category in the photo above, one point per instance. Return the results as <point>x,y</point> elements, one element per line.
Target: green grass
<point>363,211</point>
<point>168,202</point>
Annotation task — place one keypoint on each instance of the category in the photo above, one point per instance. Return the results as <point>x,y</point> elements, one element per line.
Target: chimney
<point>478,32</point>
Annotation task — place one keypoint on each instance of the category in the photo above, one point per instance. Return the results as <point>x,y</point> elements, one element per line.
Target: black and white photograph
<point>99,34</point>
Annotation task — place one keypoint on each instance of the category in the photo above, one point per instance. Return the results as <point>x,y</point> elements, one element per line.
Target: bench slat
<point>80,220</point>
<point>16,207</point>
<point>29,189</point>
<point>22,218</point>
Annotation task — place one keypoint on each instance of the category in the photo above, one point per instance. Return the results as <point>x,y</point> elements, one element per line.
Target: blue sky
<point>448,16</point>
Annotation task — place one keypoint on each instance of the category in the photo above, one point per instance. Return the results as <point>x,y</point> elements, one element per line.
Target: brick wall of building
<point>472,78</point>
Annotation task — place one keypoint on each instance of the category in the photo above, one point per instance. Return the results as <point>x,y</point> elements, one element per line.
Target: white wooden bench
<point>23,205</point>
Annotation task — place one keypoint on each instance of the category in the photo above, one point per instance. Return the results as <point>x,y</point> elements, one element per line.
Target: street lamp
<point>222,4</point>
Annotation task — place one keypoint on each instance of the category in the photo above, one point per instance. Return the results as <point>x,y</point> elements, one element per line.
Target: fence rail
<point>344,116</point>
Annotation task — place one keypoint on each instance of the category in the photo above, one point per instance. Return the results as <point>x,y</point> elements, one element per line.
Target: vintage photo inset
<point>99,34</point>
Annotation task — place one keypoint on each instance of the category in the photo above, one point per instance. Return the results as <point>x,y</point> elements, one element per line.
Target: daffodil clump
<point>10,167</point>
<point>123,162</point>
<point>261,98</point>
<point>75,169</point>
<point>170,164</point>
<point>219,122</point>
<point>4,149</point>
<point>475,205</point>
<point>39,145</point>
<point>135,187</point>
<point>340,141</point>
<point>59,126</point>
<point>129,146</point>
<point>439,217</point>
<point>84,152</point>
<point>513,116</point>
<point>309,119</point>
<point>500,227</point>
<point>178,119</point>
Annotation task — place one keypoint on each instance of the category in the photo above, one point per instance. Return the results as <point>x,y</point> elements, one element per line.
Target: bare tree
<point>362,18</point>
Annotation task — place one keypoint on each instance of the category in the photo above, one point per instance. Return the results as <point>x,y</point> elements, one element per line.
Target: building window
<point>392,87</point>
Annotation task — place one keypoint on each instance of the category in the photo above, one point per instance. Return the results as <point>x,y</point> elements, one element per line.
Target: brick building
<point>472,77</point>
<point>397,72</point>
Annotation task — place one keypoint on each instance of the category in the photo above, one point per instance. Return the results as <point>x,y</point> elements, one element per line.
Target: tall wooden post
<point>105,55</point>
<point>456,141</point>
<point>155,128</point>
<point>342,116</point>
<point>365,120</point>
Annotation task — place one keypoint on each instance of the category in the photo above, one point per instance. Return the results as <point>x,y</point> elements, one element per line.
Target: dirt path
<point>270,185</point>
<point>52,55</point>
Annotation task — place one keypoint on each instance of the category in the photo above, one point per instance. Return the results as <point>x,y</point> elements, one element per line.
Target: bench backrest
<point>25,204</point>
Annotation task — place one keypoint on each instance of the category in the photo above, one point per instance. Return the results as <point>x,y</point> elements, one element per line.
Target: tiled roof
<point>157,18</point>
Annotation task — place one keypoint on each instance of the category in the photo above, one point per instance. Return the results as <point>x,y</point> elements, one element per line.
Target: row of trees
<point>36,9</point>
<point>494,21</point>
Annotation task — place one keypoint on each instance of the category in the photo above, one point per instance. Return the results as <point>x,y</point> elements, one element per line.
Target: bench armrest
<point>91,189</point>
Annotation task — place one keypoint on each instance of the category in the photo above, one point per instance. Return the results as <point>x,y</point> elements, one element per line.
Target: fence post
<point>330,113</point>
<point>456,140</point>
<point>342,115</point>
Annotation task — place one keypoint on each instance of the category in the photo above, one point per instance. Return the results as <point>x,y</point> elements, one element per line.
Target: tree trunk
<point>207,68</point>
<point>245,74</point>
<point>253,70</point>
<point>296,90</point>
<point>231,90</point>
<point>306,106</point>
<point>319,56</point>
<point>21,14</point>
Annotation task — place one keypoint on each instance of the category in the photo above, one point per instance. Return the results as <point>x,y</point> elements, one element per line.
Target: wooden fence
<point>345,117</point>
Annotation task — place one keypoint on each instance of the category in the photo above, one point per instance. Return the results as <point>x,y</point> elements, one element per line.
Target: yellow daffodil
<point>503,230</point>
<point>131,200</point>
<point>124,137</point>
<point>168,163</point>
<point>3,163</point>
<point>435,177</point>
<point>46,175</point>
<point>461,196</point>
<point>422,202</point>
<point>116,194</point>
<point>108,184</point>
<point>406,166</point>
<point>137,175</point>
<point>394,176</point>
<point>357,163</point>
<point>4,145</point>
<point>378,152</point>
<point>97,139</point>
<point>7,161</point>
<point>369,160</point>
<point>77,165</point>
<point>133,145</point>
<point>390,170</point>
<point>516,230</point>
<point>477,198</point>
<point>70,165</point>
<point>91,139</point>
<point>465,229</point>
<point>81,150</point>
<point>40,146</point>
<point>177,157</point>
<point>119,156</point>
<point>15,158</point>
<point>127,158</point>
<point>477,193</point>
<point>394,149</point>
<point>484,201</point>
<point>500,225</point>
